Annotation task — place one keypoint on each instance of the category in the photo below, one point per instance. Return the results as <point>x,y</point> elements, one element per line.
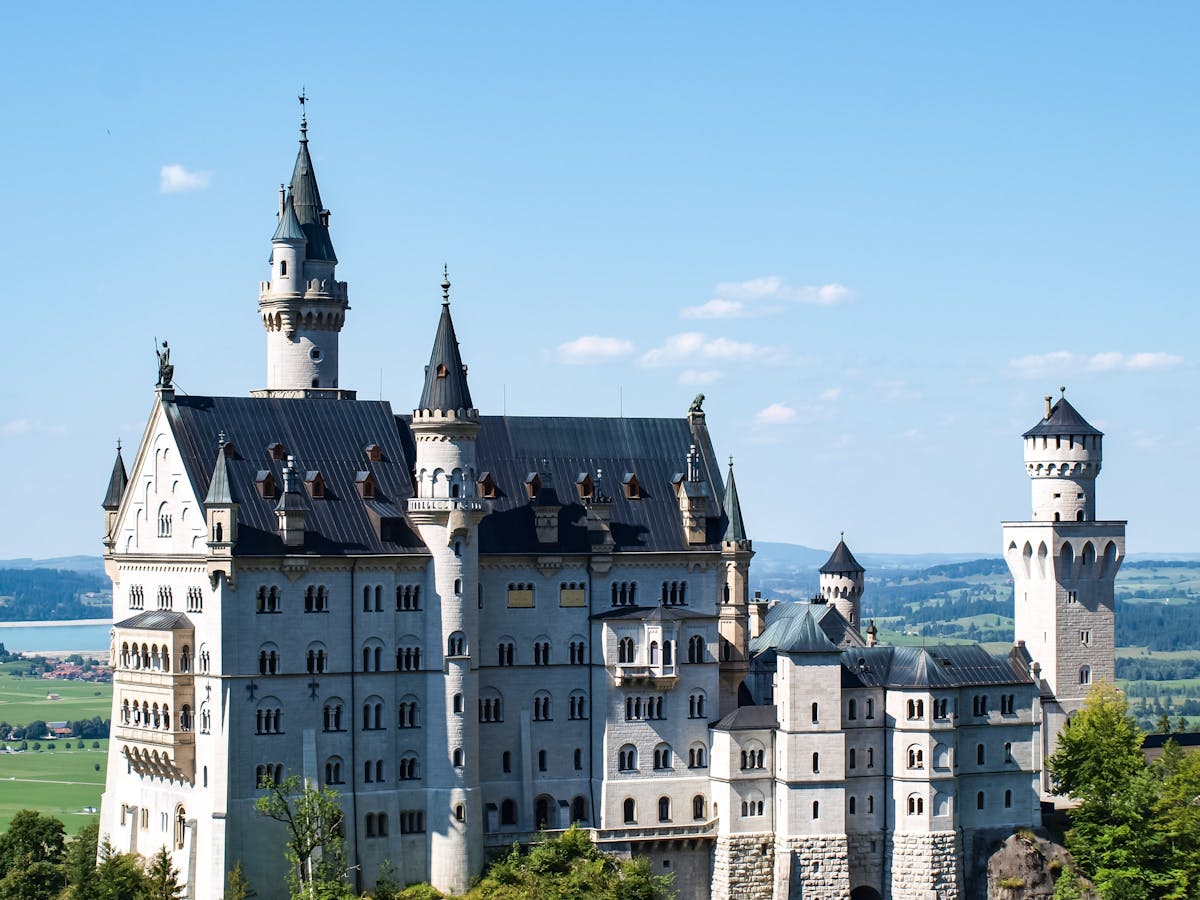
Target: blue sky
<point>873,235</point>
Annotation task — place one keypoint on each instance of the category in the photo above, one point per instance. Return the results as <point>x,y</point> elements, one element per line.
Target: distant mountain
<point>89,565</point>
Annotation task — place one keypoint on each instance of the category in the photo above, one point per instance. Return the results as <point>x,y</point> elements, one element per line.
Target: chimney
<point>291,509</point>
<point>758,615</point>
<point>599,515</point>
<point>1048,398</point>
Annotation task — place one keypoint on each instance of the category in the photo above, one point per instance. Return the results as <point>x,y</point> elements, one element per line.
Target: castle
<point>476,626</point>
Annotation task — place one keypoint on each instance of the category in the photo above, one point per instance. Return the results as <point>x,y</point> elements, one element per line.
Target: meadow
<point>59,782</point>
<point>24,700</point>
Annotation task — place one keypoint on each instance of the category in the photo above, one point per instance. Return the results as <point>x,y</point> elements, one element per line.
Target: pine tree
<point>162,878</point>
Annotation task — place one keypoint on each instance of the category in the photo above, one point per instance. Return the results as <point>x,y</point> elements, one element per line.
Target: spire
<point>219,491</point>
<point>310,212</point>
<point>736,529</point>
<point>841,560</point>
<point>116,483</point>
<point>445,376</point>
<point>289,228</point>
<point>1062,418</point>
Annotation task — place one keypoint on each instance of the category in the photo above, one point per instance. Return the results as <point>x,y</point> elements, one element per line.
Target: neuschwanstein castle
<point>475,626</point>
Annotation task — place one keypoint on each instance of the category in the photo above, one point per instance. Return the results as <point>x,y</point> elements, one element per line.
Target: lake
<point>75,636</point>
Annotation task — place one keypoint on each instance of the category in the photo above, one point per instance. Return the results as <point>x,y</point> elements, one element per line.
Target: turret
<point>446,512</point>
<point>303,306</point>
<point>842,583</point>
<point>112,499</point>
<point>1062,456</point>
<point>692,492</point>
<point>221,511</point>
<point>291,510</point>
<point>733,619</point>
<point>546,508</point>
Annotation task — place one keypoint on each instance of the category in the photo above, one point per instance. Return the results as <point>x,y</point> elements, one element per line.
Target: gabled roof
<point>939,666</point>
<point>289,228</point>
<point>219,491</point>
<point>656,614</point>
<point>1063,419</point>
<point>749,718</point>
<point>735,528</point>
<point>445,376</point>
<point>116,484</point>
<point>307,200</point>
<point>841,561</point>
<point>803,628</point>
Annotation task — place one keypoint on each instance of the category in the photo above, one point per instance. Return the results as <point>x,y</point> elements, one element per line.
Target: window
<point>268,660</point>
<point>408,597</point>
<point>572,594</point>
<point>870,757</point>
<point>316,660</point>
<point>697,756</point>
<point>851,806</point>
<point>696,705</point>
<point>373,770</point>
<point>1008,704</point>
<point>624,593</point>
<point>541,653</point>
<point>664,809</point>
<point>269,773</point>
<point>662,756</point>
<point>456,644</point>
<point>979,705</point>
<point>627,758</point>
<point>457,703</point>
<point>372,656</point>
<point>164,525</point>
<point>870,708</point>
<point>541,707</point>
<point>1008,799</point>
<point>1085,675</point>
<point>268,718</point>
<point>816,760</point>
<point>165,601</point>
<point>816,809</point>
<point>578,705</point>
<point>1085,637</point>
<point>852,758</point>
<point>852,709</point>
<point>754,756</point>
<point>916,805</point>
<point>137,597</point>
<point>578,759</point>
<point>410,713</point>
<point>753,805</point>
<point>916,757</point>
<point>505,652</point>
<point>195,600</point>
<point>674,593</point>
<point>940,708</point>
<point>316,600</point>
<point>916,709</point>
<point>578,653</point>
<point>508,812</point>
<point>409,770</point>
<point>520,596</point>
<point>372,714</point>
<point>1072,597</point>
<point>491,707</point>
<point>412,821</point>
<point>695,649</point>
<point>815,709</point>
<point>460,813</point>
<point>333,716</point>
<point>630,811</point>
<point>541,759</point>
<point>1008,757</point>
<point>698,804</point>
<point>979,802</point>
<point>506,761</point>
<point>625,650</point>
<point>456,758</point>
<point>408,656</point>
<point>980,754</point>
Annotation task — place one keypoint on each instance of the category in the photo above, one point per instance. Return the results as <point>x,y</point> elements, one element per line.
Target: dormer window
<point>265,482</point>
<point>277,451</point>
<point>315,482</point>
<point>533,484</point>
<point>633,488</point>
<point>441,370</point>
<point>487,486</point>
<point>230,450</point>
<point>585,486</point>
<point>365,482</point>
<point>373,452</point>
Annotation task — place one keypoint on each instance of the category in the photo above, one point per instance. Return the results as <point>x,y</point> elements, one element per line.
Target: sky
<point>873,235</point>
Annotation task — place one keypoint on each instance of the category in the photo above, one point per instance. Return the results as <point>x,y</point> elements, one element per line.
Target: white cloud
<point>699,377</point>
<point>716,309</point>
<point>695,346</point>
<point>174,178</point>
<point>1062,362</point>
<point>593,348</point>
<point>831,393</point>
<point>17,426</point>
<point>775,414</point>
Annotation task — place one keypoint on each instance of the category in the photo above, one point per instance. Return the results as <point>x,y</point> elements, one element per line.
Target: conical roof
<point>735,530</point>
<point>219,491</point>
<point>1063,419</point>
<point>307,200</point>
<point>289,226</point>
<point>116,483</point>
<point>841,560</point>
<point>445,376</point>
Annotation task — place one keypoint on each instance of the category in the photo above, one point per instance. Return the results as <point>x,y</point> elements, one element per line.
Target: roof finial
<point>118,445</point>
<point>221,438</point>
<point>1063,390</point>
<point>303,98</point>
<point>841,536</point>
<point>731,460</point>
<point>445,285</point>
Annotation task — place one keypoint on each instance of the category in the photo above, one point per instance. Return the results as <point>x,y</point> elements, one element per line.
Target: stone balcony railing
<point>152,678</point>
<point>154,737</point>
<point>446,504</point>
<point>661,832</point>
<point>661,676</point>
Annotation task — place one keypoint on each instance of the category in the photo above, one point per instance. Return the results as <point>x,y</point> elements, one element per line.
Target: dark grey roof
<point>289,228</point>
<point>219,491</point>
<point>445,376</point>
<point>804,628</point>
<point>509,447</point>
<point>1064,419</point>
<point>116,484</point>
<point>735,528</point>
<point>749,718</point>
<point>307,200</point>
<point>841,561</point>
<point>939,666</point>
<point>1182,738</point>
<point>156,620</point>
<point>328,435</point>
<point>653,613</point>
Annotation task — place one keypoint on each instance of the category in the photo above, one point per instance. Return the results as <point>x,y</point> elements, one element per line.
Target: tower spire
<point>735,530</point>
<point>303,98</point>
<point>446,387</point>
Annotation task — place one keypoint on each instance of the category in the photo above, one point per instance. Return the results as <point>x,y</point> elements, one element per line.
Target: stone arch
<point>1108,566</point>
<point>1088,557</point>
<point>1042,553</point>
<point>1066,557</point>
<point>1026,557</point>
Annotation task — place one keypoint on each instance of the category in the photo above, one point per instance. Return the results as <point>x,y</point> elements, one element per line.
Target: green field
<point>57,782</point>
<point>23,700</point>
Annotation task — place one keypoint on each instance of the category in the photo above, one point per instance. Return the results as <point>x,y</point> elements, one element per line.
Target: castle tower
<point>842,583</point>
<point>446,511</point>
<point>733,617</point>
<point>1064,563</point>
<point>303,306</point>
<point>112,498</point>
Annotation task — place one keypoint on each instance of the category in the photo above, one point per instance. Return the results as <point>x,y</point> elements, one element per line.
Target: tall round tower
<point>842,580</point>
<point>446,511</point>
<point>1062,456</point>
<point>303,306</point>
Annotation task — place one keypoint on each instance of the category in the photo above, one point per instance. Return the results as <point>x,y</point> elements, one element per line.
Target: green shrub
<point>1011,883</point>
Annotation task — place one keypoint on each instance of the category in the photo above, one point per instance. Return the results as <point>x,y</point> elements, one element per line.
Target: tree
<point>162,878</point>
<point>1163,725</point>
<point>315,847</point>
<point>79,864</point>
<point>31,837</point>
<point>237,887</point>
<point>119,876</point>
<point>1099,749</point>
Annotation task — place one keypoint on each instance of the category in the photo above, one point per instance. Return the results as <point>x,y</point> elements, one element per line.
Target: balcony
<point>693,830</point>
<point>626,674</point>
<point>152,678</point>
<point>446,504</point>
<point>157,753</point>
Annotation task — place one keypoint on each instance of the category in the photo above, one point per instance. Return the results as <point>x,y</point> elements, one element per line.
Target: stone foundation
<point>743,867</point>
<point>814,867</point>
<point>866,861</point>
<point>924,866</point>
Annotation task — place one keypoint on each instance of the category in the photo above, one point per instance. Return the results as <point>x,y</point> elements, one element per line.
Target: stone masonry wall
<point>866,861</point>
<point>922,866</point>
<point>743,867</point>
<point>814,867</point>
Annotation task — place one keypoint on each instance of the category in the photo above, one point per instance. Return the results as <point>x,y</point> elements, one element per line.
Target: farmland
<point>59,782</point>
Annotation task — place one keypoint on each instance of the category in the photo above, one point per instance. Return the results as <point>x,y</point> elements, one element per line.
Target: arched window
<point>541,707</point>
<point>979,754</point>
<point>456,758</point>
<point>627,758</point>
<point>852,756</point>
<point>816,809</point>
<point>372,712</point>
<point>815,713</point>
<point>456,644</point>
<point>851,806</point>
<point>662,756</point>
<point>870,803</point>
<point>333,770</point>
<point>409,770</point>
<point>664,809</point>
<point>870,708</point>
<point>916,805</point>
<point>505,652</point>
<point>579,809</point>
<point>654,653</point>
<point>578,705</point>
<point>916,757</point>
<point>508,812</point>
<point>696,649</point>
<point>333,715</point>
<point>180,826</point>
<point>1008,799</point>
<point>696,704</point>
<point>460,813</point>
<point>979,804</point>
<point>1085,675</point>
<point>630,810</point>
<point>697,756</point>
<point>625,650</point>
<point>542,761</point>
<point>410,713</point>
<point>852,709</point>
<point>698,804</point>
